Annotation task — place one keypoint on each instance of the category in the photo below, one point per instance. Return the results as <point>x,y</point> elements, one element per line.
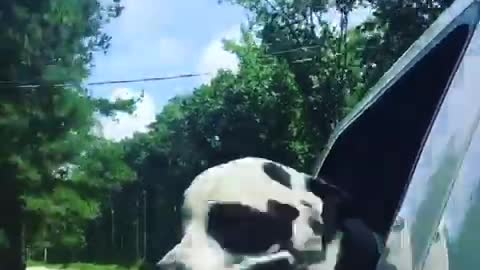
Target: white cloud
<point>215,57</point>
<point>125,125</point>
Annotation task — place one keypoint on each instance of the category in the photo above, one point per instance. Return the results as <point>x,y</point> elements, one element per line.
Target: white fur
<point>242,180</point>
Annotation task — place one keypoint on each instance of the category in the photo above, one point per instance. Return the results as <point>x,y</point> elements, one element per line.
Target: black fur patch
<point>323,189</point>
<point>358,247</point>
<point>277,173</point>
<point>282,211</point>
<point>335,202</point>
<point>242,229</point>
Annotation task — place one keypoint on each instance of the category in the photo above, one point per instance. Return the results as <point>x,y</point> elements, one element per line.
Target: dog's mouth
<point>290,259</point>
<point>280,260</point>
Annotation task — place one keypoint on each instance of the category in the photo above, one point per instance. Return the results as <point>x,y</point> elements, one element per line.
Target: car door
<point>441,191</point>
<point>455,238</point>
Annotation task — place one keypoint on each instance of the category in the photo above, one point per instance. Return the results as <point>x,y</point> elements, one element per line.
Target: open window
<point>374,156</point>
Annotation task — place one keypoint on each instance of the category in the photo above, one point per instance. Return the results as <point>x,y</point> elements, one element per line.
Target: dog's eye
<point>316,226</point>
<point>305,203</point>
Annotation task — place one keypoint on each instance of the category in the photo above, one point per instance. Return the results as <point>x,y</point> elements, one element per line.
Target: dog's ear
<point>334,199</point>
<point>323,189</point>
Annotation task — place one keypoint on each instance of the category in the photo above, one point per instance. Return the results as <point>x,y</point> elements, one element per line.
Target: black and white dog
<point>254,213</point>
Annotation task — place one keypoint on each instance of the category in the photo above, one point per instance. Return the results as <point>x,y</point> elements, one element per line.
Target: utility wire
<point>302,48</point>
<point>16,84</point>
<point>29,85</point>
<point>152,79</point>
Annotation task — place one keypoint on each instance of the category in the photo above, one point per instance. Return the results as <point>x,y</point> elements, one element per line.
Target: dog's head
<point>253,213</point>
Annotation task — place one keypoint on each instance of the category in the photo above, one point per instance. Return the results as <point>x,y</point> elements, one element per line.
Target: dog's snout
<point>170,262</point>
<point>162,265</point>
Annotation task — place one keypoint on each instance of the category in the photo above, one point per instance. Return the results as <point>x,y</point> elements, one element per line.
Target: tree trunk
<point>113,228</point>
<point>137,232</point>
<point>144,224</point>
<point>45,255</point>
<point>11,223</point>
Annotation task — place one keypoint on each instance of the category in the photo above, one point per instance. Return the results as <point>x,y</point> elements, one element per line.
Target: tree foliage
<point>49,45</point>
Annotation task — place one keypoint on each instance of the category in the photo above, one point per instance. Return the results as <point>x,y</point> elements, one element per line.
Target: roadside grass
<point>82,266</point>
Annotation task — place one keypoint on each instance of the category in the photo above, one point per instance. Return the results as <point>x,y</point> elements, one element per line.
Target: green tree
<point>255,112</point>
<point>324,60</point>
<point>46,43</point>
<point>395,25</point>
<point>100,174</point>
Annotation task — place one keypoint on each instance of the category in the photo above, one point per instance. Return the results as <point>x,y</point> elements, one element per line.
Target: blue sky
<point>161,38</point>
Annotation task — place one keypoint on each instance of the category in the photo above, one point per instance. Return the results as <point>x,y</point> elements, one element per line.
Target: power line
<point>16,84</point>
<point>31,85</point>
<point>181,76</point>
<point>304,48</point>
